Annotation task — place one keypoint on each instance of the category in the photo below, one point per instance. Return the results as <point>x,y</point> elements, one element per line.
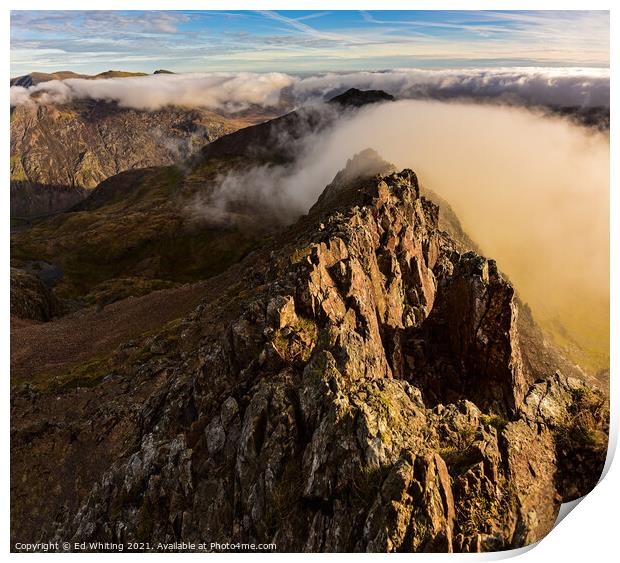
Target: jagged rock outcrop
<point>357,385</point>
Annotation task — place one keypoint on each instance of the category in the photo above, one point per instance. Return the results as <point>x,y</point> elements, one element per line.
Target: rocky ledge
<point>357,385</point>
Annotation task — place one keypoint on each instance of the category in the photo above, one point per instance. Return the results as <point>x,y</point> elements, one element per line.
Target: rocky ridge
<point>359,384</point>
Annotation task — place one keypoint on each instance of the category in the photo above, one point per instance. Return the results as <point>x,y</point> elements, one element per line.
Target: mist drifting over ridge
<point>231,92</point>
<point>531,190</point>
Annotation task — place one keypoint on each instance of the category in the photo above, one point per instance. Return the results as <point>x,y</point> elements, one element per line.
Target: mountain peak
<point>356,98</point>
<point>344,190</point>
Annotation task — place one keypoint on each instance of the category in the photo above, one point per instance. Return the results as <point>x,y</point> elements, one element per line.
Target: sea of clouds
<point>233,92</point>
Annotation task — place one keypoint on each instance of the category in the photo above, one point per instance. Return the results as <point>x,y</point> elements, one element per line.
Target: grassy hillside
<point>134,234</point>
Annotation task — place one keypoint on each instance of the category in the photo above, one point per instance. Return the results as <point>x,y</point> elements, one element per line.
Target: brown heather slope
<point>140,225</point>
<point>134,234</point>
<point>43,350</point>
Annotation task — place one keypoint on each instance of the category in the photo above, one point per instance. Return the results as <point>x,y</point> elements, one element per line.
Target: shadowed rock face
<point>357,385</point>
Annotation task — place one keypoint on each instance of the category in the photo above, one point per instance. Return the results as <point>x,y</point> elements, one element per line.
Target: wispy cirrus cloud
<point>298,25</point>
<point>100,22</point>
<point>92,41</point>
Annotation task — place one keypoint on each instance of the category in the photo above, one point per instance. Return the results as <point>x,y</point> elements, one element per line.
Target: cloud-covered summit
<point>522,86</point>
<point>217,91</point>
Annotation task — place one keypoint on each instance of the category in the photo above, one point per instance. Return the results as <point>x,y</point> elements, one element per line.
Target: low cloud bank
<point>532,191</point>
<point>216,91</point>
<point>233,92</point>
<point>521,86</point>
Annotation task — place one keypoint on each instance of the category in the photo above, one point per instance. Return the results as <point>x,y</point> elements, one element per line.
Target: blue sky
<point>303,41</point>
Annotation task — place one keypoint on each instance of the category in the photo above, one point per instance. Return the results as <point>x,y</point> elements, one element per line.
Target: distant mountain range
<point>34,78</point>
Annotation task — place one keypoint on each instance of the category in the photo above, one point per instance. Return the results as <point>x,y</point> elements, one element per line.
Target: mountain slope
<point>357,384</point>
<point>60,151</point>
<point>134,230</point>
<point>151,229</point>
<point>139,225</point>
<point>275,139</point>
